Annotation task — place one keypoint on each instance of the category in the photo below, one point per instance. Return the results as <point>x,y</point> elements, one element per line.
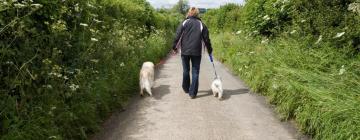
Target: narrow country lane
<point>172,115</point>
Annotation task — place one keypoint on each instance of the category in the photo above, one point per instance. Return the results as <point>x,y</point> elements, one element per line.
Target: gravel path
<point>172,115</point>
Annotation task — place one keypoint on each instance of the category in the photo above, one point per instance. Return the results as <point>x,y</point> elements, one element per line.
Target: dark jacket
<point>192,37</point>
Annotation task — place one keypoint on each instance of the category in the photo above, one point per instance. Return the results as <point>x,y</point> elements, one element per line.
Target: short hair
<point>193,11</point>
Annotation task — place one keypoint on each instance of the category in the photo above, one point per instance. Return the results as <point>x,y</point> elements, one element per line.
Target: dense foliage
<point>301,54</point>
<point>319,22</point>
<point>66,64</point>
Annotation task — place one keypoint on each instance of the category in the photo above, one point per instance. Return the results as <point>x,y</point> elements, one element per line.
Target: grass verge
<point>317,87</point>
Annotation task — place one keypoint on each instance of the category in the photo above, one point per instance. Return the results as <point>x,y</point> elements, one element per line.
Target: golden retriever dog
<point>146,78</point>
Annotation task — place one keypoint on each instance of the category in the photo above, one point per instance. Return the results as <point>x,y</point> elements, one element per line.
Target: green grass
<point>304,83</point>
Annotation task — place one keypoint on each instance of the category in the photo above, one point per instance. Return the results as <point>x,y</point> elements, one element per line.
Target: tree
<point>181,7</point>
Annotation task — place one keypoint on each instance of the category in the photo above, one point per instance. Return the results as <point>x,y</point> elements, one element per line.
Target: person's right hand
<point>211,58</point>
<point>174,52</point>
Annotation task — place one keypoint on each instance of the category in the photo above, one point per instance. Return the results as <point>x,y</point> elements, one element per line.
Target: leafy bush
<point>328,23</point>
<point>65,65</point>
<point>319,23</point>
<point>225,18</point>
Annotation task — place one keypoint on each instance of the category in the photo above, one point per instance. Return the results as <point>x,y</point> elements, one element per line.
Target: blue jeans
<point>195,62</point>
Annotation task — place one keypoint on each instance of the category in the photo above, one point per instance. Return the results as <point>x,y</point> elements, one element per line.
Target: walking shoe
<point>192,97</point>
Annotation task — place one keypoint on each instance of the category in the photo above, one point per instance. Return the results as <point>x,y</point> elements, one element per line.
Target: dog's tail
<point>219,87</point>
<point>221,92</point>
<point>147,85</point>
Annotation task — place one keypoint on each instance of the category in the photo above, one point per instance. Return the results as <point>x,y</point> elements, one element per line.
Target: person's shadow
<point>226,95</point>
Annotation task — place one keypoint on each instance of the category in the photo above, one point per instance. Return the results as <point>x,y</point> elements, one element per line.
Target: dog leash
<point>212,61</point>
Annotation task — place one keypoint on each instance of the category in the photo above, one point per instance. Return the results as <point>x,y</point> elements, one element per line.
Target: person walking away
<point>191,34</point>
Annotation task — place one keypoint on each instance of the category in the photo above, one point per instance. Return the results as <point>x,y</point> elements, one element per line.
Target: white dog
<point>146,78</point>
<point>217,88</point>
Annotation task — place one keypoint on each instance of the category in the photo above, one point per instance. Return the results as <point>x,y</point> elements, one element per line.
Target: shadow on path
<point>227,93</point>
<point>160,91</point>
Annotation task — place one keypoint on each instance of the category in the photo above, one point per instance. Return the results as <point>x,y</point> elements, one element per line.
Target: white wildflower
<point>91,5</point>
<point>97,21</point>
<point>238,32</point>
<point>70,72</point>
<point>94,15</point>
<point>302,21</point>
<point>319,40</point>
<point>275,86</point>
<point>342,70</point>
<point>282,8</point>
<point>274,4</point>
<point>293,32</point>
<point>338,35</point>
<point>122,64</point>
<point>354,7</point>
<point>47,86</point>
<point>65,77</point>
<point>94,39</point>
<point>55,74</point>
<point>84,24</point>
<point>78,71</point>
<point>53,137</point>
<point>77,8</point>
<point>47,61</point>
<point>19,5</point>
<point>57,67</point>
<point>264,41</point>
<point>94,60</point>
<point>9,62</point>
<point>93,30</point>
<point>51,73</point>
<point>36,5</point>
<point>74,87</point>
<point>266,17</point>
<point>56,50</point>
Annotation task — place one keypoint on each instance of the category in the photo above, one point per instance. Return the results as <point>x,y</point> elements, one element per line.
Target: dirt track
<point>172,115</point>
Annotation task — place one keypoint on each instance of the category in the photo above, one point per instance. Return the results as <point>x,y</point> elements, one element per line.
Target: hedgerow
<point>319,22</point>
<point>65,65</point>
